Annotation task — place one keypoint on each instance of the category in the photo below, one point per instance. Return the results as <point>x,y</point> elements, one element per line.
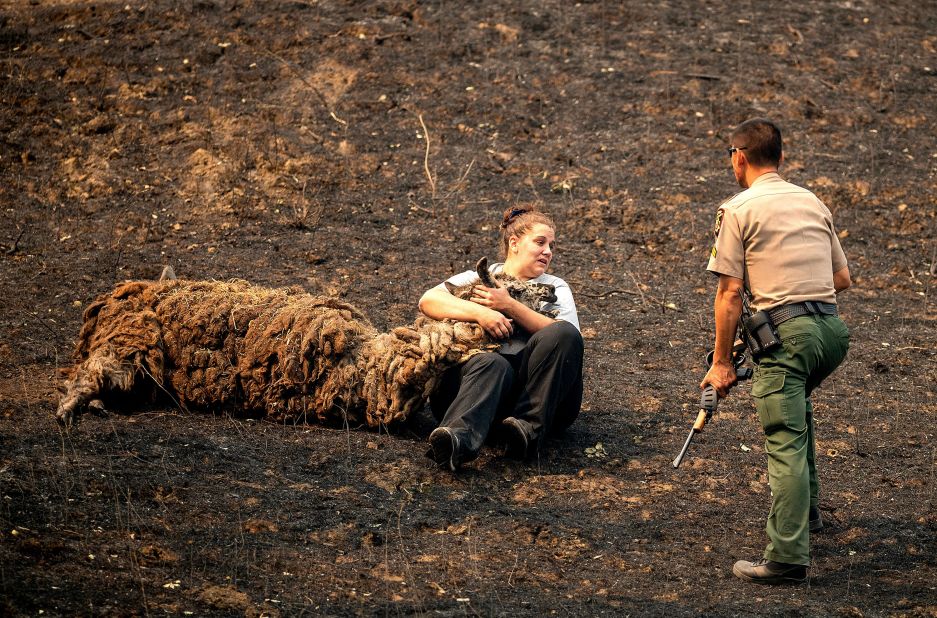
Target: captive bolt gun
<point>709,400</point>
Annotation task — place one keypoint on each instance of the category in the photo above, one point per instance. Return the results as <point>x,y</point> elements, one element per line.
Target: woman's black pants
<point>541,386</point>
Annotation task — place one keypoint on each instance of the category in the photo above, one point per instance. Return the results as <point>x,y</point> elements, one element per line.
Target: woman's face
<point>529,255</point>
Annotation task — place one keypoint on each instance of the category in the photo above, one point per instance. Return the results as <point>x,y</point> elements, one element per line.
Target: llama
<point>281,354</point>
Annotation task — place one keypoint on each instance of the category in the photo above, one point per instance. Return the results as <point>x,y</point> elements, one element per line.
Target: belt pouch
<point>761,334</point>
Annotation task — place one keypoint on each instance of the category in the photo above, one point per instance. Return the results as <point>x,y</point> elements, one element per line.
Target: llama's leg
<point>103,371</point>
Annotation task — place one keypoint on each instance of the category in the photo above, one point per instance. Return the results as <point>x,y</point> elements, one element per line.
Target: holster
<point>760,333</point>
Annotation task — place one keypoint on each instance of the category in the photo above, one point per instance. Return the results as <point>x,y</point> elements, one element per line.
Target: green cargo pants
<point>812,347</point>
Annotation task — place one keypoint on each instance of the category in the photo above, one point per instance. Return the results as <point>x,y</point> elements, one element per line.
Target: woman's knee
<point>559,336</point>
<point>486,367</point>
<point>487,363</point>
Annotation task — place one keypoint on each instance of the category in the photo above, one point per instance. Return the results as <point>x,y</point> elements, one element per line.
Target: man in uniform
<point>777,242</point>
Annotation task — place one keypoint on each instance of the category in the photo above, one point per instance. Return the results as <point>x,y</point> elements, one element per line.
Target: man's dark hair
<point>761,140</point>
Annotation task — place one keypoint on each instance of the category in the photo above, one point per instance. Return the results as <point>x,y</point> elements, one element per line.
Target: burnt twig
<point>637,286</point>
<point>429,175</point>
<point>608,293</point>
<point>43,322</point>
<point>16,242</point>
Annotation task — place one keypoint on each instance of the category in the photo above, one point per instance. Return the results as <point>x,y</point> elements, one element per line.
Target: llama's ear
<point>450,287</point>
<point>484,275</point>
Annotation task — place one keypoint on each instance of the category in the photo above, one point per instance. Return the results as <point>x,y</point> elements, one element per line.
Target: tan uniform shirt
<point>779,238</point>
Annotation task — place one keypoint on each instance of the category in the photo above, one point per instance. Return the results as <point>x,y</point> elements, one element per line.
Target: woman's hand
<point>495,324</point>
<point>493,298</point>
<point>439,304</point>
<point>498,299</point>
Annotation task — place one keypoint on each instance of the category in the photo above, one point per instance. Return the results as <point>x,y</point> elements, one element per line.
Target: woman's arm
<point>438,304</point>
<point>499,300</point>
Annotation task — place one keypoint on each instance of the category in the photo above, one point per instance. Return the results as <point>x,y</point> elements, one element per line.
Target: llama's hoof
<point>66,416</point>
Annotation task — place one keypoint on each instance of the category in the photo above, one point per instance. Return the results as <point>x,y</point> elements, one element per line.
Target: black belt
<point>794,310</point>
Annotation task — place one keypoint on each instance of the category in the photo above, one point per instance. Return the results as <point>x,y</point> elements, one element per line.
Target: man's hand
<point>495,324</point>
<point>722,376</point>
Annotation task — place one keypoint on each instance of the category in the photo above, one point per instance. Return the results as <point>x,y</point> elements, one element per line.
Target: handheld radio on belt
<point>757,330</point>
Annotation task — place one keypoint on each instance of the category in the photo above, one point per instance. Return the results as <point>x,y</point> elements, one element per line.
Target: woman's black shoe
<point>444,448</point>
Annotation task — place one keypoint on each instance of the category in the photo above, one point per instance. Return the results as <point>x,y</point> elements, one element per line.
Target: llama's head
<point>528,293</point>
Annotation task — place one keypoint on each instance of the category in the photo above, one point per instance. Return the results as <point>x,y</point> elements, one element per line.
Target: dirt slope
<point>365,150</point>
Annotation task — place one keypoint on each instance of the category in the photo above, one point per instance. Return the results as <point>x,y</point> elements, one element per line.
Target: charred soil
<point>364,150</point>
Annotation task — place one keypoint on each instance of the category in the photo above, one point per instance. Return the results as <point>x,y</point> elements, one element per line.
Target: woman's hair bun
<point>512,213</point>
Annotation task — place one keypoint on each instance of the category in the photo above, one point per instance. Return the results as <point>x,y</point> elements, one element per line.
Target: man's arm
<point>841,279</point>
<point>728,308</point>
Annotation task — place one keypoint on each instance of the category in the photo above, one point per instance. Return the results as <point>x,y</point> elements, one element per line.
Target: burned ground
<point>364,150</point>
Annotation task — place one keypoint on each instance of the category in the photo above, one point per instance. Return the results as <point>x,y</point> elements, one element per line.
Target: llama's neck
<point>402,368</point>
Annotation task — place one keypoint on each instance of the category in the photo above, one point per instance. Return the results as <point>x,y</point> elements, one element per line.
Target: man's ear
<point>736,162</point>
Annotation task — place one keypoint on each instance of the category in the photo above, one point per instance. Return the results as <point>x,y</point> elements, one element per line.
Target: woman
<point>533,384</point>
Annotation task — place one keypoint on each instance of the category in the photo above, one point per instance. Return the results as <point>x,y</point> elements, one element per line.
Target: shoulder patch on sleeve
<point>719,216</point>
